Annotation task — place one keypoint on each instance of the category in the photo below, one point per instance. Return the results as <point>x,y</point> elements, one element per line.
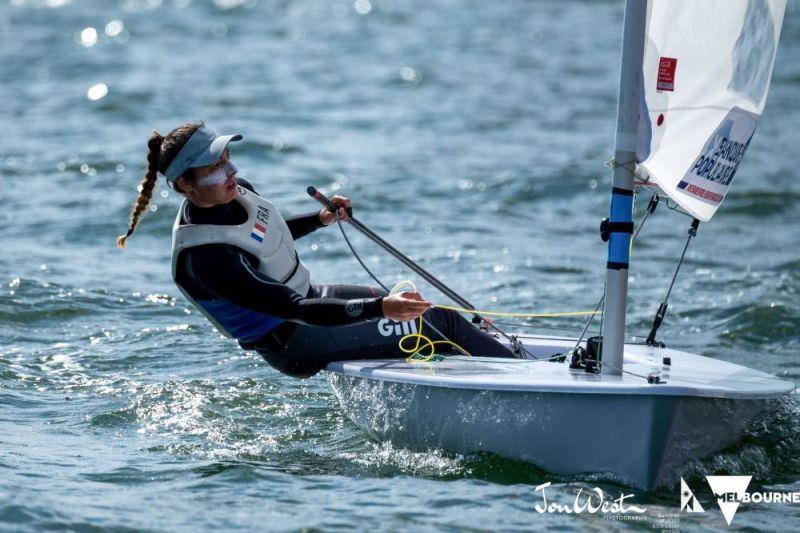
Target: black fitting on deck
<point>588,358</point>
<point>651,338</point>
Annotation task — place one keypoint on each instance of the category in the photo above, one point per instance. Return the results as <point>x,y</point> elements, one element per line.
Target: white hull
<point>565,421</point>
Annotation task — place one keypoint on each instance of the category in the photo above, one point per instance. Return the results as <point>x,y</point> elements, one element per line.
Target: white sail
<point>706,74</point>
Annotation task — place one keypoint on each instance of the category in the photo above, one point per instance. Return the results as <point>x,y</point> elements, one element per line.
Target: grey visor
<point>203,148</point>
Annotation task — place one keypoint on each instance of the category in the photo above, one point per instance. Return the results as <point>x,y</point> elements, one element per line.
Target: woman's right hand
<point>404,306</point>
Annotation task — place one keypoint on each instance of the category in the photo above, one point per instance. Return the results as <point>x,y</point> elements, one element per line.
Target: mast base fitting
<point>578,358</point>
<point>594,347</point>
<point>588,358</point>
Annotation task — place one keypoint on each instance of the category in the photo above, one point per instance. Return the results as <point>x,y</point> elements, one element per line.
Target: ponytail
<point>146,187</point>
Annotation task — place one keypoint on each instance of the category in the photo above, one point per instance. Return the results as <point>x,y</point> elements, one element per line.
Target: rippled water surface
<point>470,134</point>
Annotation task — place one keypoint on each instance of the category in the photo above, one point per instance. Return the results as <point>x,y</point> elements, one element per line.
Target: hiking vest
<point>264,234</point>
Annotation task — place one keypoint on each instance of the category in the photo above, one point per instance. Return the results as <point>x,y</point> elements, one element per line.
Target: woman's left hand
<point>342,203</point>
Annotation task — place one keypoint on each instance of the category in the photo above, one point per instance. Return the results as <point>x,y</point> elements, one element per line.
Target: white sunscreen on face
<point>218,176</point>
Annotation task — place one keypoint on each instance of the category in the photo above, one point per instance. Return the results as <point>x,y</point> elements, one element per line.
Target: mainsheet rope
<point>424,342</point>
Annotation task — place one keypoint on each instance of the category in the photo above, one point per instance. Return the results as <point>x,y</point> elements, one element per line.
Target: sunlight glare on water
<point>471,135</point>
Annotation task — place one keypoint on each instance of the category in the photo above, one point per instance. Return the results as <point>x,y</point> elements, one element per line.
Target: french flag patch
<point>258,232</point>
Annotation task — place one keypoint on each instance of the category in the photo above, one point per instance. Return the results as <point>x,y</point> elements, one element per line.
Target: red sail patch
<point>666,74</point>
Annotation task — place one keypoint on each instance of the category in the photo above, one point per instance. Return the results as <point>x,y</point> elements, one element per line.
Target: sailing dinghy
<point>693,84</point>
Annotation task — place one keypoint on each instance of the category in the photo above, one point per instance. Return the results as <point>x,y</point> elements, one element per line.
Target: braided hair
<point>161,150</point>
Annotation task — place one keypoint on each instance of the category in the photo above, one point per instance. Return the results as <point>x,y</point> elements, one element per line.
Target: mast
<point>620,225</point>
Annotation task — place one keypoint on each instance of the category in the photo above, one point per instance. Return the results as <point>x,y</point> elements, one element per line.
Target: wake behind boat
<point>689,103</point>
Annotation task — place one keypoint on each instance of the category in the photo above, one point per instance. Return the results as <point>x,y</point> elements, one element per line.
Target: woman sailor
<point>233,257</point>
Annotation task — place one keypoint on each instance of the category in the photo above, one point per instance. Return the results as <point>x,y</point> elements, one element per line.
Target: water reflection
<point>97,91</point>
<point>88,37</point>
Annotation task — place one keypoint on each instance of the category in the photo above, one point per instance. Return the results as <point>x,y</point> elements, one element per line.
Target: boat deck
<point>687,375</point>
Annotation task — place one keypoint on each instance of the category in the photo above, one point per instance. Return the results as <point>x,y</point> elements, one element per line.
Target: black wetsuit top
<point>227,272</point>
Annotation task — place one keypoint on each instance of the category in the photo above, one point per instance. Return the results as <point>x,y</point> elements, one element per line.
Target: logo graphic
<point>729,492</point>
<point>262,221</point>
<point>593,501</point>
<point>666,74</point>
<point>713,170</point>
<point>689,501</point>
<point>388,327</point>
<point>355,307</point>
<point>259,232</point>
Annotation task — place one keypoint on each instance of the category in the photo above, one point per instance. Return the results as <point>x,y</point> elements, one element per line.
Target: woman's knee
<point>446,320</point>
<point>291,366</point>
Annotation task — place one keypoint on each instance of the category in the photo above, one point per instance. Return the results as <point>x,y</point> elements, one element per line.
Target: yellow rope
<point>420,338</point>
<point>423,341</point>
<point>525,315</point>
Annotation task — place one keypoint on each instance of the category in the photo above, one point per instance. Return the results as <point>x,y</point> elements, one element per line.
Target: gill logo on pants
<point>387,327</point>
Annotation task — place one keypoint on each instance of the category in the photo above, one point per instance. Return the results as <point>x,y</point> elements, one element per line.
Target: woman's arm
<point>227,273</point>
<point>302,225</point>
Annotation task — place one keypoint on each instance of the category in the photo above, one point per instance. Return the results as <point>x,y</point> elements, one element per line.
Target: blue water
<point>470,134</point>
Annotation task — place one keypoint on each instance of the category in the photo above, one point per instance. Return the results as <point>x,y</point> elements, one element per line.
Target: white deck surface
<point>688,375</point>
